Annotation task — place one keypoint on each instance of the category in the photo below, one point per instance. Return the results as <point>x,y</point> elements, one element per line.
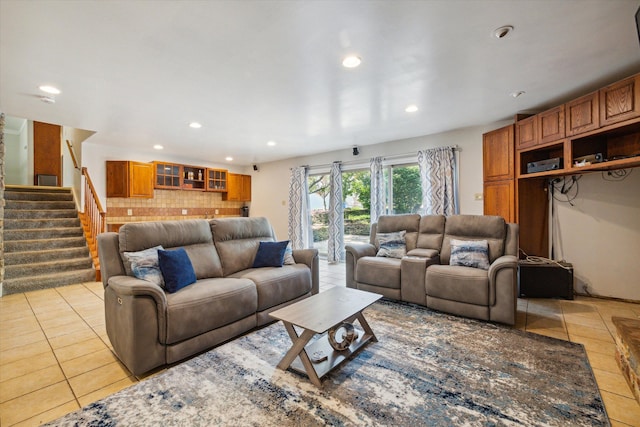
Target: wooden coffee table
<point>316,315</point>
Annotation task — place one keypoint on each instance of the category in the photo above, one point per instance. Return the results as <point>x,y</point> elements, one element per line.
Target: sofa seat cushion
<point>276,285</point>
<point>457,283</point>
<point>379,271</point>
<point>208,304</point>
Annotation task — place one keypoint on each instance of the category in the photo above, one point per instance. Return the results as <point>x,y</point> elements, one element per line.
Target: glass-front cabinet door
<point>167,175</point>
<point>217,180</point>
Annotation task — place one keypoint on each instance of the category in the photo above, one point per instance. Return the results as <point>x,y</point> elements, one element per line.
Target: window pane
<point>406,191</point>
<point>356,191</point>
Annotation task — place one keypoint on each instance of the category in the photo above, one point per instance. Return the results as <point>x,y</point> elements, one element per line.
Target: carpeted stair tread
<point>41,233</point>
<point>39,204</point>
<point>39,213</point>
<point>15,258</point>
<point>45,281</point>
<point>36,195</point>
<point>15,224</point>
<point>49,267</point>
<point>36,189</point>
<point>41,244</point>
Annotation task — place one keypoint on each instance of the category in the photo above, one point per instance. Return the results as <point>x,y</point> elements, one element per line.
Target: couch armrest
<point>130,286</point>
<point>354,252</point>
<point>503,289</point>
<point>309,257</point>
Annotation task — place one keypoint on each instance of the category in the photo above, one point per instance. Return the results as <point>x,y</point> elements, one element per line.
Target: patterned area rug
<point>428,368</point>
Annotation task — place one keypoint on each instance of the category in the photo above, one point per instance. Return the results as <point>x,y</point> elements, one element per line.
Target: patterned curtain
<point>335,250</point>
<point>437,177</point>
<point>300,232</point>
<point>377,189</point>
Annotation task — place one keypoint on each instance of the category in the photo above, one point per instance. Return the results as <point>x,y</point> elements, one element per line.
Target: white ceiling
<point>137,72</point>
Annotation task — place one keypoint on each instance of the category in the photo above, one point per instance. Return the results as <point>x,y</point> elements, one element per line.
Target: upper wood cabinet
<point>497,154</point>
<point>217,180</point>
<point>551,125</point>
<point>193,178</point>
<point>620,101</point>
<point>129,179</point>
<point>168,176</point>
<point>239,188</point>
<point>527,132</point>
<point>582,114</point>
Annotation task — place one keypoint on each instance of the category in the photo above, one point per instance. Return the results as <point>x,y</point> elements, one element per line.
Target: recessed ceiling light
<point>517,93</point>
<point>351,61</point>
<point>411,108</point>
<point>228,158</point>
<point>271,143</point>
<point>158,147</point>
<point>48,99</point>
<point>195,125</point>
<point>50,89</point>
<point>502,32</point>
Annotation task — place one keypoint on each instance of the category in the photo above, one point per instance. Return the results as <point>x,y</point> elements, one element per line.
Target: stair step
<point>46,281</point>
<point>39,204</point>
<point>39,213</point>
<point>36,189</point>
<point>15,224</point>
<point>44,244</point>
<point>50,267</point>
<point>15,258</point>
<point>41,233</point>
<point>38,195</point>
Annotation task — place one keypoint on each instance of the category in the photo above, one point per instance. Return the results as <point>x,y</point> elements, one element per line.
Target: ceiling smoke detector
<point>502,32</point>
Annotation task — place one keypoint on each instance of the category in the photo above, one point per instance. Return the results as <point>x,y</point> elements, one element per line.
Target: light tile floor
<point>55,355</point>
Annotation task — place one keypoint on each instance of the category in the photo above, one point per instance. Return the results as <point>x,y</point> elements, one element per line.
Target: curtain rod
<point>394,156</point>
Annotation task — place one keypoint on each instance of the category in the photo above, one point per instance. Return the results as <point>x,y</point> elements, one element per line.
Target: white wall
<point>270,193</point>
<point>16,151</point>
<point>600,235</point>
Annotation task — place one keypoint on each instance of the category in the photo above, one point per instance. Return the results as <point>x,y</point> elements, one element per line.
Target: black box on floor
<point>537,280</point>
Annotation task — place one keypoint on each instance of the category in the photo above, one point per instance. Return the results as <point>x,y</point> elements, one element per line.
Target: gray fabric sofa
<point>424,275</point>
<point>149,327</point>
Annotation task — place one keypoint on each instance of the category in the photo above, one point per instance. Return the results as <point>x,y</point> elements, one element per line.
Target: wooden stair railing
<point>93,218</point>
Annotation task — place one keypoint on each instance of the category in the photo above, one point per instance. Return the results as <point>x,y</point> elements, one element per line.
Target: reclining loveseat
<point>461,264</point>
<point>150,326</point>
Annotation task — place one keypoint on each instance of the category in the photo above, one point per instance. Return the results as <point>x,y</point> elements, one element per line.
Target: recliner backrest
<point>493,229</point>
<point>194,235</point>
<point>392,223</point>
<point>237,240</point>
<point>431,232</point>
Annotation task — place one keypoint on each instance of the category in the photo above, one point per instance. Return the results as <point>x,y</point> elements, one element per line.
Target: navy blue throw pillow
<point>270,254</point>
<point>176,268</point>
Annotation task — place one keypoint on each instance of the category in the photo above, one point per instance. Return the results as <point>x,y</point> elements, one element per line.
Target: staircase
<point>44,243</point>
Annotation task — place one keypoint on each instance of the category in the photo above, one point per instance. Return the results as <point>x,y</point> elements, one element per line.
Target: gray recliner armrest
<point>309,257</point>
<point>503,284</point>
<point>354,252</point>
<point>131,286</point>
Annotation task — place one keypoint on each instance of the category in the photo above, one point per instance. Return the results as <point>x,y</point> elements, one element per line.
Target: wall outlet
<point>216,211</point>
<point>184,211</point>
<point>477,196</point>
<point>129,212</point>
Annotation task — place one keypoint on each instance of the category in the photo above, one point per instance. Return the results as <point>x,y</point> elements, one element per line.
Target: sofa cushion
<point>470,253</point>
<point>237,241</point>
<point>276,285</point>
<point>144,265</point>
<point>379,271</point>
<point>407,222</point>
<point>493,229</point>
<point>455,283</point>
<point>192,234</point>
<point>270,254</point>
<point>176,268</point>
<point>208,304</point>
<point>391,245</point>
<point>423,253</point>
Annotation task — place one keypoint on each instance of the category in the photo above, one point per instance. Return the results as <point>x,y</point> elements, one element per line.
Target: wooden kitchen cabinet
<point>527,132</point>
<point>498,173</point>
<point>217,180</point>
<point>168,176</point>
<point>551,125</point>
<point>239,188</point>
<point>582,114</point>
<point>499,199</point>
<point>129,179</point>
<point>620,101</point>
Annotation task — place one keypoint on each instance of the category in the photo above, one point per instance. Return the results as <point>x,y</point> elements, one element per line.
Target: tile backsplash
<point>169,205</point>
